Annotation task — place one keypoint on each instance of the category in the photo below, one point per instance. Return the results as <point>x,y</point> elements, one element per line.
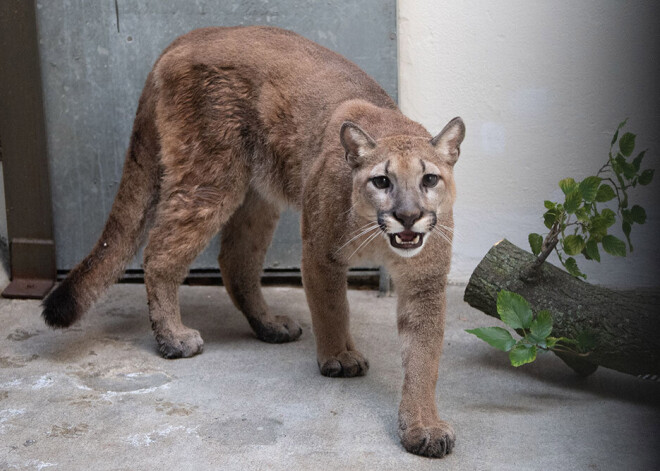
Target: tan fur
<point>233,125</point>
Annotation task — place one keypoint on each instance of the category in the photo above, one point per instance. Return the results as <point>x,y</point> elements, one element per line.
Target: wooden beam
<point>25,164</point>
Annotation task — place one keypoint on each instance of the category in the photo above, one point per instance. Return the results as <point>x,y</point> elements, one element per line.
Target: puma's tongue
<point>407,236</point>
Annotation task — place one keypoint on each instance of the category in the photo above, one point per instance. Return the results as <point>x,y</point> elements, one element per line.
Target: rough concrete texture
<point>98,396</point>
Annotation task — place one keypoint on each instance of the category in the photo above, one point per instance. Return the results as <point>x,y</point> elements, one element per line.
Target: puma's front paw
<point>183,343</point>
<point>434,441</point>
<point>347,364</point>
<point>278,329</point>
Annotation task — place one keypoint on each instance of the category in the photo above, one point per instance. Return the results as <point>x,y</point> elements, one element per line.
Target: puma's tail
<point>124,230</point>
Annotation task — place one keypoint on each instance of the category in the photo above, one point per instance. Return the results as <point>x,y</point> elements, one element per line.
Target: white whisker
<point>349,209</point>
<point>450,230</point>
<point>438,231</point>
<point>366,242</point>
<point>359,232</point>
<point>363,230</point>
<point>364,226</point>
<point>447,228</point>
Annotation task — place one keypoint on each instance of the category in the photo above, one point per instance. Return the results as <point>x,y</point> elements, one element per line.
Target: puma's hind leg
<point>245,240</point>
<point>186,219</point>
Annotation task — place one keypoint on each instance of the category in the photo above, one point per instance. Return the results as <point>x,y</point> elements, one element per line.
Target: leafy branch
<point>578,225</point>
<point>535,332</point>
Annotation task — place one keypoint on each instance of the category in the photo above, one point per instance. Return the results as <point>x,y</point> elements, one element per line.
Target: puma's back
<point>268,90</point>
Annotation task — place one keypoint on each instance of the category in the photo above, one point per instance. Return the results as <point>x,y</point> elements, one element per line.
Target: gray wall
<point>95,56</point>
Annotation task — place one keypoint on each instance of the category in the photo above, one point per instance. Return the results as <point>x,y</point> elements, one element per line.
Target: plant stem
<point>602,169</point>
<point>549,243</point>
<point>616,188</point>
<point>572,352</point>
<point>623,204</point>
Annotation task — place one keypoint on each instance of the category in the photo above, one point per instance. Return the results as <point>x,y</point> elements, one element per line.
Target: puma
<point>233,125</point>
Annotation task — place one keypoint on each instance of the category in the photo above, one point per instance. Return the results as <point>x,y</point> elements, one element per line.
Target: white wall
<point>541,87</point>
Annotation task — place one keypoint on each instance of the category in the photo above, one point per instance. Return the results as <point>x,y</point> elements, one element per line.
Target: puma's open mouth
<point>406,240</point>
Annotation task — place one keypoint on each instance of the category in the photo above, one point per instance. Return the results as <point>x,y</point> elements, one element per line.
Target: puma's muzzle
<point>406,239</point>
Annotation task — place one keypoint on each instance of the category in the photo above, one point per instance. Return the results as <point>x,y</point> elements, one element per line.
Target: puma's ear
<point>356,143</point>
<point>448,142</point>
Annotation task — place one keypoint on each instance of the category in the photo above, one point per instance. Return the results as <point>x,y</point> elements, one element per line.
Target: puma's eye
<point>381,182</point>
<point>429,180</point>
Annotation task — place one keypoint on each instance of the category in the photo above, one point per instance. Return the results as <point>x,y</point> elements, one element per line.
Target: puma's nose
<point>407,218</point>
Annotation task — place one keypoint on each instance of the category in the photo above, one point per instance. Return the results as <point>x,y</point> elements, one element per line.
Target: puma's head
<point>404,184</point>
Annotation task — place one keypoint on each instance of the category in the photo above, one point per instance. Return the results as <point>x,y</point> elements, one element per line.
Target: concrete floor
<point>98,396</point>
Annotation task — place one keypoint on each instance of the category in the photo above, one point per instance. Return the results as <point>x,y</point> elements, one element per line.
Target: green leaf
<point>589,188</point>
<point>586,341</point>
<point>573,244</point>
<point>582,214</point>
<point>550,217</point>
<point>571,266</point>
<point>549,204</point>
<point>605,193</point>
<point>627,144</point>
<point>514,310</point>
<point>629,170</point>
<point>615,137</point>
<point>638,214</point>
<point>522,354</point>
<point>551,342</point>
<point>614,246</point>
<point>598,227</point>
<point>616,134</point>
<point>609,217</point>
<point>495,337</point>
<point>542,325</point>
<point>627,228</point>
<point>567,185</point>
<point>592,250</point>
<point>627,216</point>
<point>573,201</point>
<point>535,242</point>
<point>646,176</point>
<point>618,164</point>
<point>637,163</point>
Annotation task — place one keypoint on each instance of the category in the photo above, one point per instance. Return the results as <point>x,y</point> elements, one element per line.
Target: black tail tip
<point>60,307</point>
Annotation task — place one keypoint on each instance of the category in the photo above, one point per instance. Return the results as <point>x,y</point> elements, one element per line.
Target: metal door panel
<point>95,57</point>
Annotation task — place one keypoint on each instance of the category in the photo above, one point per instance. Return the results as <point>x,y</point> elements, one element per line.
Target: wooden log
<point>626,324</point>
